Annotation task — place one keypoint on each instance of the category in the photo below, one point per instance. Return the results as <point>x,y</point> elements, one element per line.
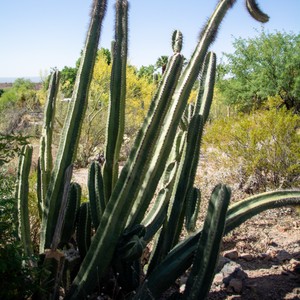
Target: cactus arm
<point>94,206</point>
<point>191,157</point>
<point>179,100</point>
<point>167,181</point>
<point>246,209</point>
<point>42,172</point>
<point>156,216</point>
<point>186,181</point>
<point>49,122</point>
<point>256,12</point>
<point>116,117</point>
<point>99,190</point>
<point>192,209</point>
<point>207,82</point>
<point>22,199</point>
<point>71,131</point>
<point>62,212</point>
<point>39,189</point>
<point>96,193</point>
<point>208,249</point>
<point>71,213</point>
<point>45,156</point>
<point>83,231</point>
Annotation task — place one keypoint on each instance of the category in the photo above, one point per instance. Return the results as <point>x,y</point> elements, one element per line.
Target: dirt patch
<point>266,250</point>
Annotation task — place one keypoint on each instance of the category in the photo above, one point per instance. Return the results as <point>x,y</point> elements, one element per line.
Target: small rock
<point>294,262</point>
<point>232,270</point>
<point>231,254</point>
<point>221,262</point>
<point>218,280</point>
<point>283,255</point>
<point>271,253</point>
<point>247,256</point>
<point>236,285</point>
<point>182,288</point>
<point>265,257</point>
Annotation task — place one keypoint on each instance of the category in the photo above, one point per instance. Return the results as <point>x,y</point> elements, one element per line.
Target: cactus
<point>83,230</point>
<point>72,127</point>
<point>116,118</point>
<point>22,198</point>
<point>72,207</point>
<point>163,159</point>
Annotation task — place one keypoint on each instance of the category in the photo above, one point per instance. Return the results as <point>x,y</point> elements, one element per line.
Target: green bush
<point>263,145</point>
<point>17,277</point>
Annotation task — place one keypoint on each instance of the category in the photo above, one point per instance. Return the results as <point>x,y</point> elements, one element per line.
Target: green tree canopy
<point>162,63</point>
<point>260,67</point>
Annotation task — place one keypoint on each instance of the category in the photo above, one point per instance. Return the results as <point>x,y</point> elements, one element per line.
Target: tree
<point>266,65</point>
<point>162,63</point>
<point>146,72</point>
<point>68,76</point>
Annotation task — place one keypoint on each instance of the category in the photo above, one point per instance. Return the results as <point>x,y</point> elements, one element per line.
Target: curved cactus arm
<point>207,253</point>
<point>22,199</point>
<point>256,12</point>
<point>116,117</point>
<point>71,131</point>
<point>246,209</point>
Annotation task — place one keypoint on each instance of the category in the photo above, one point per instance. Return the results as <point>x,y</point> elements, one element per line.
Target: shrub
<point>263,145</point>
<point>18,279</point>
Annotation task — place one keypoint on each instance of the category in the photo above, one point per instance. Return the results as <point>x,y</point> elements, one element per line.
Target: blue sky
<point>37,35</point>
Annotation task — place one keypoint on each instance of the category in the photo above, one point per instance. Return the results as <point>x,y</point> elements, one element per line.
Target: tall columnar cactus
<point>72,127</point>
<point>22,190</point>
<point>116,118</point>
<point>163,159</point>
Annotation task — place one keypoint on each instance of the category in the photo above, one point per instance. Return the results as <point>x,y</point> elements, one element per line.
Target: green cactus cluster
<point>153,197</point>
